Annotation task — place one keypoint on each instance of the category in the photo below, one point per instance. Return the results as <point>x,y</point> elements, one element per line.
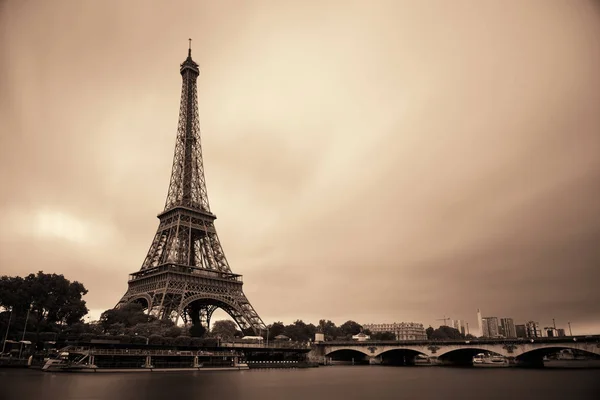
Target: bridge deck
<point>549,340</point>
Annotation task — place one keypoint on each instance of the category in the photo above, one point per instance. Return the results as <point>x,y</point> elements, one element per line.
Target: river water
<point>339,382</point>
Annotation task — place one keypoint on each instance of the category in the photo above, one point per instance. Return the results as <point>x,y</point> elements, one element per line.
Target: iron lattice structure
<point>185,273</point>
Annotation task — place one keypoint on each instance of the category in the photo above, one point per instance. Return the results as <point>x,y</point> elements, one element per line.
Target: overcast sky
<point>378,161</point>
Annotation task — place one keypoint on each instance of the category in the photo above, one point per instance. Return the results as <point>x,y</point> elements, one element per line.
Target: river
<point>339,382</point>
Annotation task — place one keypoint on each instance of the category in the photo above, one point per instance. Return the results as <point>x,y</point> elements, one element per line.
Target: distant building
<point>560,332</point>
<point>361,337</point>
<point>550,332</point>
<point>521,331</point>
<point>480,323</point>
<point>485,332</point>
<point>508,328</point>
<point>402,330</point>
<point>532,329</point>
<point>490,326</point>
<point>459,325</point>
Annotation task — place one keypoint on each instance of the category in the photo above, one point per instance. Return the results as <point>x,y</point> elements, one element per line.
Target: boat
<point>422,359</point>
<point>92,359</point>
<point>488,360</point>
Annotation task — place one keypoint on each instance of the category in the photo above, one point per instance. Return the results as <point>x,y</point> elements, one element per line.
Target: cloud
<point>378,163</point>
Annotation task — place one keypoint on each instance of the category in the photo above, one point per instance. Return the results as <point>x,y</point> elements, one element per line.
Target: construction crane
<point>444,319</point>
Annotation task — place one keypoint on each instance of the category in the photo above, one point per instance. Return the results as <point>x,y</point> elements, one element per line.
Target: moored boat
<point>89,359</point>
<point>488,360</point>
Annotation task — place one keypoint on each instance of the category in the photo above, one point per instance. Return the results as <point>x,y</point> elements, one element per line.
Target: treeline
<point>133,321</point>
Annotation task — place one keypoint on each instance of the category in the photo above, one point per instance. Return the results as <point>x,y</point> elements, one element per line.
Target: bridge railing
<point>270,345</point>
<point>153,352</point>
<point>481,341</point>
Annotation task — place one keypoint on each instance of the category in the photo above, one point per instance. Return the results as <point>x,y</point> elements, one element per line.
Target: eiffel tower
<point>185,273</point>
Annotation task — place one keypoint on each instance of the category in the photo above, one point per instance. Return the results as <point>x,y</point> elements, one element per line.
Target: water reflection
<point>362,382</point>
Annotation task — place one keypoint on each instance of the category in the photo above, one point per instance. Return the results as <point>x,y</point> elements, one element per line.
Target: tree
<point>129,314</point>
<point>197,331</point>
<point>50,298</point>
<point>429,332</point>
<point>173,331</point>
<point>146,329</point>
<point>446,333</point>
<point>350,328</point>
<point>300,331</point>
<point>225,329</point>
<point>383,336</point>
<point>329,329</point>
<point>276,329</point>
<point>55,299</point>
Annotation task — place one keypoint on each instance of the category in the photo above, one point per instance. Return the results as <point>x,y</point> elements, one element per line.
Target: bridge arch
<point>360,350</point>
<point>461,355</point>
<point>400,356</point>
<point>536,355</point>
<point>347,355</point>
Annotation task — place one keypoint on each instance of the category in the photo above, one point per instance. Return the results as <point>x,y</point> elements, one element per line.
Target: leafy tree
<point>182,341</point>
<point>147,329</point>
<point>156,340</point>
<point>329,329</point>
<point>52,300</point>
<point>300,331</point>
<point>129,314</point>
<point>225,329</point>
<point>383,336</point>
<point>173,332</point>
<point>446,333</point>
<point>429,332</point>
<point>276,329</point>
<point>197,331</point>
<point>350,328</point>
<point>115,329</point>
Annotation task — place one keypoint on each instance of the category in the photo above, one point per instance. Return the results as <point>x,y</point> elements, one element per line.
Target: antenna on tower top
<point>190,48</point>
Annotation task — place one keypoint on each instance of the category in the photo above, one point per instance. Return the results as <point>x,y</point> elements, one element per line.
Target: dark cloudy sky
<point>371,160</point>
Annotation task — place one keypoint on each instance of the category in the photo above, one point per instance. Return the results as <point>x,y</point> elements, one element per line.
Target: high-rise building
<point>485,331</point>
<point>459,325</point>
<point>532,329</point>
<point>521,331</point>
<point>508,328</point>
<point>560,332</point>
<point>491,327</point>
<point>402,330</point>
<point>480,323</point>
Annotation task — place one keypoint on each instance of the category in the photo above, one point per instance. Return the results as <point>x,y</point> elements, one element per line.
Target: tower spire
<point>188,187</point>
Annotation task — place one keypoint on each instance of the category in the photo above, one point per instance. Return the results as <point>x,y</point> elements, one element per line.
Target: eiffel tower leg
<point>210,310</point>
<point>162,301</point>
<point>179,308</point>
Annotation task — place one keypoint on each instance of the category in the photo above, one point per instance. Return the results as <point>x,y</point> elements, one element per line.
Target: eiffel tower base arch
<point>192,297</point>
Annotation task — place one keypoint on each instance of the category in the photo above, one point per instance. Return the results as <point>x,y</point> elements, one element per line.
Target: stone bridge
<point>460,352</point>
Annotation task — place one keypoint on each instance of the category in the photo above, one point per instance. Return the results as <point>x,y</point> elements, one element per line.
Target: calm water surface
<point>358,382</point>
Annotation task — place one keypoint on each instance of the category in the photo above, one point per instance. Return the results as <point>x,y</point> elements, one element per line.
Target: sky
<point>374,161</point>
